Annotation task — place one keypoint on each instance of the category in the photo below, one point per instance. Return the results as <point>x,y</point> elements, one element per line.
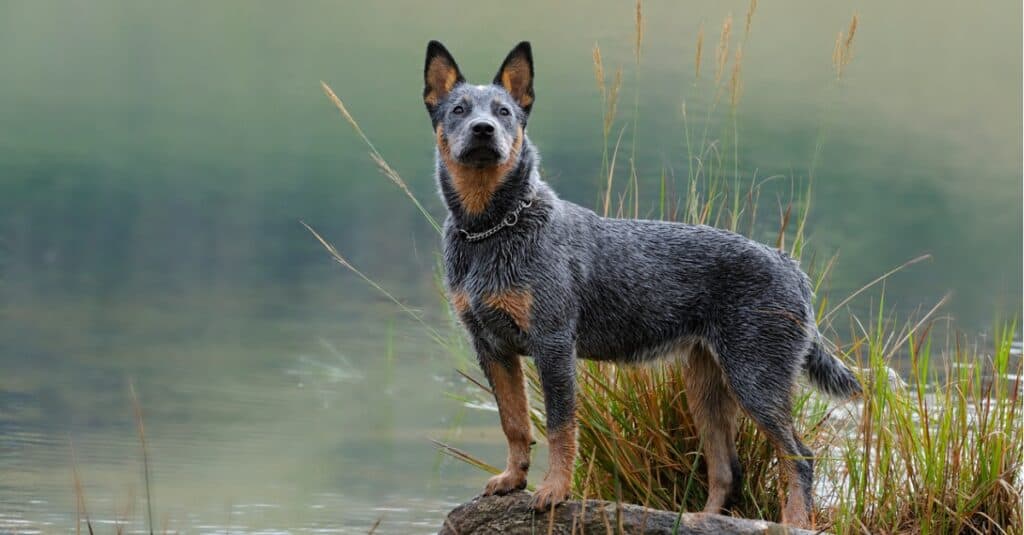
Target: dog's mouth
<point>480,156</point>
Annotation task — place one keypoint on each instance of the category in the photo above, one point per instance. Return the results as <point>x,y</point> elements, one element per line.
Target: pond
<point>156,160</point>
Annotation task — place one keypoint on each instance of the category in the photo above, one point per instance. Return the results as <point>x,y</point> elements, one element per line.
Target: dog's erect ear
<point>516,75</point>
<point>440,75</point>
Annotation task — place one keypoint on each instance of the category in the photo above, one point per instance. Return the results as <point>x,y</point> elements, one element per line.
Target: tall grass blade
<point>137,409</point>
<point>378,159</point>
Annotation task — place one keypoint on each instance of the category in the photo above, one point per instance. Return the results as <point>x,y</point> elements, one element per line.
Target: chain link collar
<point>509,220</point>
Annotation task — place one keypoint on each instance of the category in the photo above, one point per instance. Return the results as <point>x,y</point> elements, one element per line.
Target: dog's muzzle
<point>481,155</point>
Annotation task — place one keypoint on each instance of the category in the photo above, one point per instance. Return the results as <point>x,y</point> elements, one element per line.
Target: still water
<point>156,159</point>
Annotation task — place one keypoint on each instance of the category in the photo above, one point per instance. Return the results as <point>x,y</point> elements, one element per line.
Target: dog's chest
<point>487,266</point>
<point>488,288</point>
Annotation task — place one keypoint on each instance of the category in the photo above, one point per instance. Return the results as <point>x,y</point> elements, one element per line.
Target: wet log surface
<point>513,514</point>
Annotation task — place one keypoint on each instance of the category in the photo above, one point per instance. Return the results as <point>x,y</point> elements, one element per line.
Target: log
<point>512,514</point>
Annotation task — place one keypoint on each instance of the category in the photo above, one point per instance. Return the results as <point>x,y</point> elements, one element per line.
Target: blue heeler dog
<point>531,274</point>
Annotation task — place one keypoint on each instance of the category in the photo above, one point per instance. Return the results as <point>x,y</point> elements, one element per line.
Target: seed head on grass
<point>723,48</point>
<point>341,107</point>
<point>699,53</point>
<point>842,51</point>
<point>750,17</point>
<point>639,30</point>
<point>735,82</point>
<point>850,32</point>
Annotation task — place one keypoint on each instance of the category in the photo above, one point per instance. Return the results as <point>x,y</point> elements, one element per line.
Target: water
<point>155,160</point>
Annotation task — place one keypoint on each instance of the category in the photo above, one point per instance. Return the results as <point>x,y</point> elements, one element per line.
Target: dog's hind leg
<point>764,392</point>
<point>714,411</point>
<point>506,379</point>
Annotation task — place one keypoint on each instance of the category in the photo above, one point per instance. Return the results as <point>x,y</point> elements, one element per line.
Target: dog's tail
<point>828,374</point>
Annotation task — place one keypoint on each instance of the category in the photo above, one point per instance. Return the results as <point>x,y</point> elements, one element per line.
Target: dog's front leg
<point>557,368</point>
<point>506,378</point>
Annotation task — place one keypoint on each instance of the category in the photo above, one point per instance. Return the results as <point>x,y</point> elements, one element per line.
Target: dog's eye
<point>504,111</point>
<point>458,110</point>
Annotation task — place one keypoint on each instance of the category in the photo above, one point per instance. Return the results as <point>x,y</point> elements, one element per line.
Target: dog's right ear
<point>440,75</point>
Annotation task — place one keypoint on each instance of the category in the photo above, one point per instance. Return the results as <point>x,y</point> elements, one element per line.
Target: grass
<point>942,454</point>
<point>81,507</point>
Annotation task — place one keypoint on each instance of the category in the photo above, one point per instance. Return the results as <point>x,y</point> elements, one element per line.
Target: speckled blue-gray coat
<point>532,275</point>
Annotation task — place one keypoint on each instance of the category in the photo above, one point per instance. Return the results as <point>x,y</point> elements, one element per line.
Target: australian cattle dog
<point>532,275</point>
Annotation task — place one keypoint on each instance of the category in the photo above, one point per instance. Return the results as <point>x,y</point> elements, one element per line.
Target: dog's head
<point>479,126</point>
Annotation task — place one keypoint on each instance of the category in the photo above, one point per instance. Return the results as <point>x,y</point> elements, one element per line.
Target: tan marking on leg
<point>459,300</point>
<point>515,303</point>
<point>513,408</point>
<point>795,511</point>
<point>557,484</point>
<point>475,186</point>
<point>714,412</point>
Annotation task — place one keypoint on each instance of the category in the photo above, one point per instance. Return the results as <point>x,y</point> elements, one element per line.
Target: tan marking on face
<point>510,393</point>
<point>515,303</point>
<point>476,185</point>
<point>441,78</point>
<point>516,79</point>
<point>460,301</point>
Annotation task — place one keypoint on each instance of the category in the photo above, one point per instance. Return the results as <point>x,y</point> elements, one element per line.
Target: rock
<point>513,514</point>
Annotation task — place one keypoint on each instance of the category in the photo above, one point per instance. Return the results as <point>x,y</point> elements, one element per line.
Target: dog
<point>529,274</point>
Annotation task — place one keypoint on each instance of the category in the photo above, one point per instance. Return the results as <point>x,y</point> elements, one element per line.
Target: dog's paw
<point>551,492</point>
<point>505,483</point>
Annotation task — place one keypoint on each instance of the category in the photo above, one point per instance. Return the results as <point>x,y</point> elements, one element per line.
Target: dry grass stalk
<point>377,157</point>
<point>639,29</point>
<point>636,188</point>
<point>610,95</point>
<point>750,16</point>
<point>700,50</point>
<point>723,48</point>
<point>80,507</point>
<point>341,107</point>
<point>611,174</point>
<point>613,98</point>
<point>391,174</point>
<point>415,314</point>
<point>735,82</point>
<point>137,409</point>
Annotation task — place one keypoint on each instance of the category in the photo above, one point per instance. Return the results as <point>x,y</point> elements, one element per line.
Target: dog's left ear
<point>516,75</point>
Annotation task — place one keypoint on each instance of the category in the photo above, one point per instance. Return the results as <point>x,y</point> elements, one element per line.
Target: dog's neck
<point>489,207</point>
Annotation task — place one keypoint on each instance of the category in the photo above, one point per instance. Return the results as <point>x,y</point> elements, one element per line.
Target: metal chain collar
<point>509,220</point>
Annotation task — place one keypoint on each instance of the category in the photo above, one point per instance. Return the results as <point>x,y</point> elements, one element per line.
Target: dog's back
<point>646,287</point>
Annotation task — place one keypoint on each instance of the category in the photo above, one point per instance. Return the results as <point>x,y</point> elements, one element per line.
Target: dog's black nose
<point>483,129</point>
